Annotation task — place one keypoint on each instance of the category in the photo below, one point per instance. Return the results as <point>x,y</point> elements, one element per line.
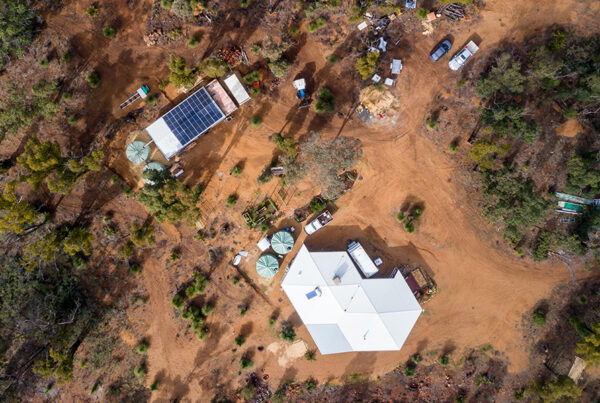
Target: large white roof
<point>350,313</point>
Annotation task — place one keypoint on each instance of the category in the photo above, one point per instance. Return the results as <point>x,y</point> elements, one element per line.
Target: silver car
<point>441,50</point>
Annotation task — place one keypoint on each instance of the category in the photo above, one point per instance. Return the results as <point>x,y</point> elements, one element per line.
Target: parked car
<point>410,4</point>
<point>441,50</point>
<point>461,57</point>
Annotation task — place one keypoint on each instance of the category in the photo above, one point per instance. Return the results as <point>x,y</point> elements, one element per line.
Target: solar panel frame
<point>193,117</point>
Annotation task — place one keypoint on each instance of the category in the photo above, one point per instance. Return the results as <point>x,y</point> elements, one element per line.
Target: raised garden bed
<point>254,216</point>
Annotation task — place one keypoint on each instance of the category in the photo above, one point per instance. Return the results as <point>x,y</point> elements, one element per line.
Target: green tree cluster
<point>512,200</point>
<point>44,162</point>
<point>505,77</point>
<point>16,214</point>
<point>367,65</point>
<point>181,76</point>
<point>19,109</point>
<point>169,199</point>
<point>588,346</point>
<point>556,242</point>
<point>325,101</point>
<point>142,235</point>
<point>508,119</point>
<point>213,67</point>
<point>286,144</point>
<point>273,53</point>
<point>582,177</point>
<point>561,390</point>
<point>485,152</point>
<point>63,241</point>
<point>17,28</point>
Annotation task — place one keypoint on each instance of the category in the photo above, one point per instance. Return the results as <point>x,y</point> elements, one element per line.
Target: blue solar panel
<point>195,115</point>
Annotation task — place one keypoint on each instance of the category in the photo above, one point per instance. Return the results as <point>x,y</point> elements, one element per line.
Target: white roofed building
<point>344,311</point>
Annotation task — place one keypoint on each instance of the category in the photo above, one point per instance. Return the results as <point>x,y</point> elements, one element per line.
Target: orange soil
<point>483,289</point>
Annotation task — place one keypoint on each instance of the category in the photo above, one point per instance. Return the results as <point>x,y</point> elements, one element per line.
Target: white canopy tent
<point>344,311</point>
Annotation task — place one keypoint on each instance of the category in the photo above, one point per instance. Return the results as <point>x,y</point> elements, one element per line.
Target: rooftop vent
<point>337,280</point>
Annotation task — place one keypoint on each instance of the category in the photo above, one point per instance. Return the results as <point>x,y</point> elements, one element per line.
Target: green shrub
<point>243,311</point>
<point>206,309</point>
<point>255,49</point>
<point>325,101</point>
<point>416,358</point>
<point>252,77</point>
<point>236,171</point>
<point>422,13</point>
<point>43,62</point>
<point>142,347</point>
<point>321,22</point>
<point>444,360</point>
<point>140,372</point>
<point>332,59</point>
<point>67,95</point>
<point>409,227</point>
<point>193,42</point>
<point>135,268</point>
<point>582,299</point>
<point>174,255</point>
<point>73,119</point>
<point>272,322</point>
<point>255,121</point>
<point>409,371</point>
<point>154,386</point>
<point>367,65</point>
<point>93,79</point>
<point>453,146</point>
<point>177,301</point>
<point>109,32</point>
<point>246,363</point>
<point>254,91</point>
<point>66,57</point>
<point>287,333</point>
<point>539,318</point>
<point>317,205</point>
<point>166,3</point>
<point>92,11</point>
<point>239,340</point>
<point>570,113</point>
<point>151,99</point>
<point>558,41</point>
<point>245,3</point>
<point>279,67</point>
<point>232,200</point>
<point>417,212</point>
<point>431,124</point>
<point>312,27</point>
<point>293,30</point>
<point>310,355</point>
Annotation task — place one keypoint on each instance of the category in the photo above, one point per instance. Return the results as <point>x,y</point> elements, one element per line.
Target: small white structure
<point>362,26</point>
<point>382,44</point>
<point>396,66</point>
<point>264,244</point>
<point>389,82</point>
<point>376,78</point>
<point>345,312</point>
<point>236,88</point>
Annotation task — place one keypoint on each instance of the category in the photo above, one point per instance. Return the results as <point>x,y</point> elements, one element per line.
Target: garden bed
<point>259,215</point>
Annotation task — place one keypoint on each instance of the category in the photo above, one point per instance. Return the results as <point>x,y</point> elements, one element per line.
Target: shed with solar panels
<point>186,122</point>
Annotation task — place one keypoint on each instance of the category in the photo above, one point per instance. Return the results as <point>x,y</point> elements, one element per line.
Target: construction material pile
<point>453,11</point>
<point>376,99</point>
<point>232,55</point>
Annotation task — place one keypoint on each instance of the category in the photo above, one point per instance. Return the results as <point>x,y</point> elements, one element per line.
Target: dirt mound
<point>378,100</point>
<point>570,128</point>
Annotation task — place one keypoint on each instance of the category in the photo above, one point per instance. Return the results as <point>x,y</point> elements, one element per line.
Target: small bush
<point>461,83</point>
<point>310,355</point>
<point>154,386</point>
<point>431,124</point>
<point>321,22</point>
<point>236,171</point>
<point>317,205</point>
<point>325,102</point>
<point>193,42</point>
<point>142,347</point>
<point>67,95</point>
<point>239,341</point>
<point>409,371</point>
<point>109,32</point>
<point>166,3</point>
<point>177,301</point>
<point>409,227</point>
<point>135,268</point>
<point>288,333</point>
<point>245,3</point>
<point>332,59</point>
<point>255,49</point>
<point>43,62</point>
<point>272,322</point>
<point>264,228</point>
<point>174,255</point>
<point>66,57</point>
<point>293,30</point>
<point>246,363</point>
<point>255,121</point>
<point>151,99</point>
<point>243,311</point>
<point>140,372</point>
<point>232,200</point>
<point>582,299</point>
<point>206,309</point>
<point>453,146</point>
<point>570,113</point>
<point>444,360</point>
<point>254,91</point>
<point>73,119</point>
<point>417,212</point>
<point>416,358</point>
<point>93,79</point>
<point>422,13</point>
<point>539,318</point>
<point>92,11</point>
<point>312,27</point>
<point>400,217</point>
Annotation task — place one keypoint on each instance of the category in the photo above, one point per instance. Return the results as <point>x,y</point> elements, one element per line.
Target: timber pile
<point>232,55</point>
<point>453,11</point>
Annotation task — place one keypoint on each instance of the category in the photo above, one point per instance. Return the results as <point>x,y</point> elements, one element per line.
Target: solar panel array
<point>196,114</point>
